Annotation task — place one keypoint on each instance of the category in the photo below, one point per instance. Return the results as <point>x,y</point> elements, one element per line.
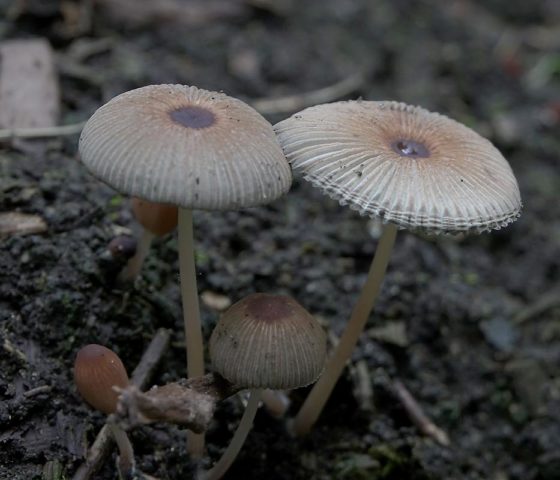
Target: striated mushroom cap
<point>417,169</point>
<point>96,370</point>
<point>268,341</point>
<point>185,146</point>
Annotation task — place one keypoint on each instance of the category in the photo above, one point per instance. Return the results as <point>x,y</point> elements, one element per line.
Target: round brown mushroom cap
<point>185,146</point>
<point>417,169</point>
<point>158,218</point>
<point>268,341</point>
<point>96,370</point>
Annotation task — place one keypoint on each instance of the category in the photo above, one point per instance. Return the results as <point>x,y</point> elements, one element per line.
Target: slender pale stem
<point>125,463</point>
<point>317,398</point>
<point>234,447</point>
<point>134,264</point>
<point>191,314</point>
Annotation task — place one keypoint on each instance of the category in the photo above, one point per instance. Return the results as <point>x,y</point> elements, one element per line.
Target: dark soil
<point>492,383</point>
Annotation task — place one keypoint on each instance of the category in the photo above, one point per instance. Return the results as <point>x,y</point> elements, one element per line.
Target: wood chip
<point>15,223</point>
<point>215,301</point>
<point>29,94</point>
<point>393,332</point>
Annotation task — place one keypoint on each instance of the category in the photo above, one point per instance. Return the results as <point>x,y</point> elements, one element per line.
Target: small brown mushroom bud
<point>122,246</point>
<point>116,255</point>
<point>158,218</point>
<point>96,370</point>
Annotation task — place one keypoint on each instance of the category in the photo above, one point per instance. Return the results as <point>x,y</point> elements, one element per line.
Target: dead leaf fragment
<point>16,223</point>
<point>393,332</point>
<point>29,95</point>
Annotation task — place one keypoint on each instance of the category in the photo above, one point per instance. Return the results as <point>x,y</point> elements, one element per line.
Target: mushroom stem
<point>134,265</point>
<point>234,447</point>
<point>125,462</point>
<point>191,314</point>
<point>317,398</point>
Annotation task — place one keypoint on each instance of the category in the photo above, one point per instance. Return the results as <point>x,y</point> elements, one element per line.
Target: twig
<point>142,373</point>
<point>417,415</point>
<point>546,301</point>
<point>190,403</point>
<point>363,390</point>
<point>37,391</point>
<point>96,454</point>
<point>41,132</point>
<point>14,351</point>
<point>293,103</point>
<point>152,356</point>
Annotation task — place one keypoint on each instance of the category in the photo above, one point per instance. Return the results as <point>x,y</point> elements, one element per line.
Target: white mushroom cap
<point>417,169</point>
<point>268,341</point>
<point>185,146</point>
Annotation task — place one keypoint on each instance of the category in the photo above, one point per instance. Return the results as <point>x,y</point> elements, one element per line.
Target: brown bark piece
<point>29,94</point>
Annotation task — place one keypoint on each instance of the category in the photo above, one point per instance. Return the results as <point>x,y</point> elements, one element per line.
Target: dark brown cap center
<point>410,148</point>
<point>269,308</point>
<point>193,117</point>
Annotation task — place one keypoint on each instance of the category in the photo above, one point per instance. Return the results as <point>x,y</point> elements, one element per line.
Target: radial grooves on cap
<point>285,353</point>
<point>344,148</point>
<point>133,144</point>
<point>96,370</point>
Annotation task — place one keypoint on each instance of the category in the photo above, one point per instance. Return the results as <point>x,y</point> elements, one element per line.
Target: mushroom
<point>97,370</point>
<point>192,148</point>
<point>264,342</point>
<point>157,220</point>
<point>412,168</point>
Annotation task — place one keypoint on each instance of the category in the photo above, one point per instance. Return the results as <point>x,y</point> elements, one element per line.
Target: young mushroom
<point>192,148</point>
<point>157,220</point>
<point>97,370</point>
<point>412,168</point>
<point>264,342</point>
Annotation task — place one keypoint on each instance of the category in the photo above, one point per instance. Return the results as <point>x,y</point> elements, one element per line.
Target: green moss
<point>201,258</point>
<point>116,201</point>
<point>356,466</point>
<point>471,278</point>
<point>389,460</point>
<point>53,470</point>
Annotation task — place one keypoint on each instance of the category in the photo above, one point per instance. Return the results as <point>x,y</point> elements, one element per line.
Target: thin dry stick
<point>548,300</point>
<point>140,377</point>
<point>293,103</point>
<point>41,132</point>
<point>417,415</point>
